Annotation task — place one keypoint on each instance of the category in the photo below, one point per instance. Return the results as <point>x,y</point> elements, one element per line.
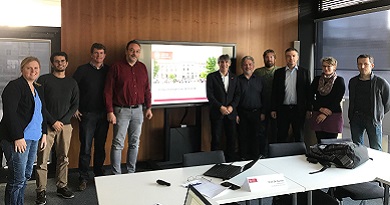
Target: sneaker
<point>41,198</point>
<point>82,186</point>
<point>65,193</point>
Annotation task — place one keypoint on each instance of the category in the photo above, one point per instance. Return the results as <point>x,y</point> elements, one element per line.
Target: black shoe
<point>82,186</point>
<point>65,193</point>
<point>41,198</point>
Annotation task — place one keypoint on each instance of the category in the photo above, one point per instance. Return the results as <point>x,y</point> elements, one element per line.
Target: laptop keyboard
<point>223,171</point>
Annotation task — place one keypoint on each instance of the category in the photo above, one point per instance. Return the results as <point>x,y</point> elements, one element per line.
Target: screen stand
<point>181,140</point>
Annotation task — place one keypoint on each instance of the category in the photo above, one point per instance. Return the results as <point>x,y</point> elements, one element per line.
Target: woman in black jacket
<point>327,91</point>
<point>22,128</point>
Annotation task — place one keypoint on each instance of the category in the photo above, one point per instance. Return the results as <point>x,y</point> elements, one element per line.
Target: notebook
<point>228,171</point>
<point>194,197</point>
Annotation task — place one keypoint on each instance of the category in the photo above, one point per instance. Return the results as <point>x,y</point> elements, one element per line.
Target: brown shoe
<point>82,186</point>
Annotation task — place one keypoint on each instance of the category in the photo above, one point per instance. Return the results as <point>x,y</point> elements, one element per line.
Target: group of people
<point>271,105</point>
<point>263,102</point>
<point>37,112</point>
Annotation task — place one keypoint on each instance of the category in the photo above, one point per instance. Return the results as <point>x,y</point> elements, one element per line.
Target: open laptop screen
<point>194,197</point>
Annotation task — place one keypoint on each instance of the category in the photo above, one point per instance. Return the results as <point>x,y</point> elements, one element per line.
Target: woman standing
<point>327,91</point>
<point>21,128</point>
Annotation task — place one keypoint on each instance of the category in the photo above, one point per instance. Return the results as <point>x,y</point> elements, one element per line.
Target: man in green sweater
<point>267,74</point>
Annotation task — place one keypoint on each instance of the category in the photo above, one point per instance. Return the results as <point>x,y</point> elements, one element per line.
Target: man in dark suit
<point>223,95</point>
<point>290,92</point>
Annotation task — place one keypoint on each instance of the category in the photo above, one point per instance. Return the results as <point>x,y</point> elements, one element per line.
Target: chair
<point>297,148</point>
<point>286,149</point>
<point>338,140</point>
<point>203,158</point>
<point>362,191</point>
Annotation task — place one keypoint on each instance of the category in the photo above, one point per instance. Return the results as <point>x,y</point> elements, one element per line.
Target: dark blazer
<point>217,95</point>
<point>303,89</point>
<point>18,109</point>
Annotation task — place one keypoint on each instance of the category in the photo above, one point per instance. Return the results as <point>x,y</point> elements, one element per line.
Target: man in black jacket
<point>290,93</point>
<point>223,96</point>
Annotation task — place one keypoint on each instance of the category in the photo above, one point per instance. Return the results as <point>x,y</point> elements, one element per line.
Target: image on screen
<point>178,71</point>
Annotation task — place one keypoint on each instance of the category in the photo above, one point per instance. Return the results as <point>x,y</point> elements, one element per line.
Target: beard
<point>58,71</point>
<point>269,64</point>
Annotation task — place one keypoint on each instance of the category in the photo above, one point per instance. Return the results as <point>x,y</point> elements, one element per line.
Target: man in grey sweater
<point>368,103</point>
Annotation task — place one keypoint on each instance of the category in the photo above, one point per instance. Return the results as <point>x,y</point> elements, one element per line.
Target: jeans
<point>20,166</point>
<point>93,126</point>
<point>128,120</point>
<point>359,123</point>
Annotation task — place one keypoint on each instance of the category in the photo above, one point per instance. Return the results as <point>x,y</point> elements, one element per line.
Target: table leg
<point>386,196</point>
<point>309,197</point>
<point>295,199</point>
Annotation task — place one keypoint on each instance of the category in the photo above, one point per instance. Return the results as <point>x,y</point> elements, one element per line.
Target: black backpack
<point>343,155</point>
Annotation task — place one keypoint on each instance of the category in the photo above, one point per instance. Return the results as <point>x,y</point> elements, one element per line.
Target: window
<point>326,5</point>
<point>346,38</point>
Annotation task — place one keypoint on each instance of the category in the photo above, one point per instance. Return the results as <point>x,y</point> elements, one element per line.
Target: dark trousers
<point>271,128</point>
<point>93,126</point>
<point>217,128</point>
<point>252,140</point>
<point>286,116</point>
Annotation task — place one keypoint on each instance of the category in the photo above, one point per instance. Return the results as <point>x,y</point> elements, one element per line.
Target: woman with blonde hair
<point>327,91</point>
<point>22,128</point>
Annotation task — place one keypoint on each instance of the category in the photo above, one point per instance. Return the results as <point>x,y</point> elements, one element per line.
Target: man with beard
<point>126,91</point>
<point>62,99</point>
<point>267,74</point>
<point>250,112</point>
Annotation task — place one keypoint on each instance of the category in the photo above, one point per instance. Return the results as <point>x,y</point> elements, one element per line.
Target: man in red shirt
<point>126,91</point>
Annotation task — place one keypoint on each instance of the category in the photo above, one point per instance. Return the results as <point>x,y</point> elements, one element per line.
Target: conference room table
<point>297,168</point>
<point>141,188</point>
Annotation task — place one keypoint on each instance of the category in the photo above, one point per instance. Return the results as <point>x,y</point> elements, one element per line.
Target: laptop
<point>194,197</point>
<point>228,171</point>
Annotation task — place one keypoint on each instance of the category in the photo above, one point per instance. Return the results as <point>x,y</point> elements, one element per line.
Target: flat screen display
<point>178,70</point>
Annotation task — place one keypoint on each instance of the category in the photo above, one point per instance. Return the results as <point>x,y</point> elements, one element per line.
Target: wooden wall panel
<point>254,25</point>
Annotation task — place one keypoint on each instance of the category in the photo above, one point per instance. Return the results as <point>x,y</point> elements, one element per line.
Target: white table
<point>141,188</point>
<point>297,169</point>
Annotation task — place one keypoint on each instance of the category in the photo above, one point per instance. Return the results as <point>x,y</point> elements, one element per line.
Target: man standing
<point>251,138</point>
<point>290,94</point>
<point>62,99</point>
<point>127,89</point>
<point>223,95</point>
<point>368,103</point>
<point>92,115</point>
<point>267,74</point>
